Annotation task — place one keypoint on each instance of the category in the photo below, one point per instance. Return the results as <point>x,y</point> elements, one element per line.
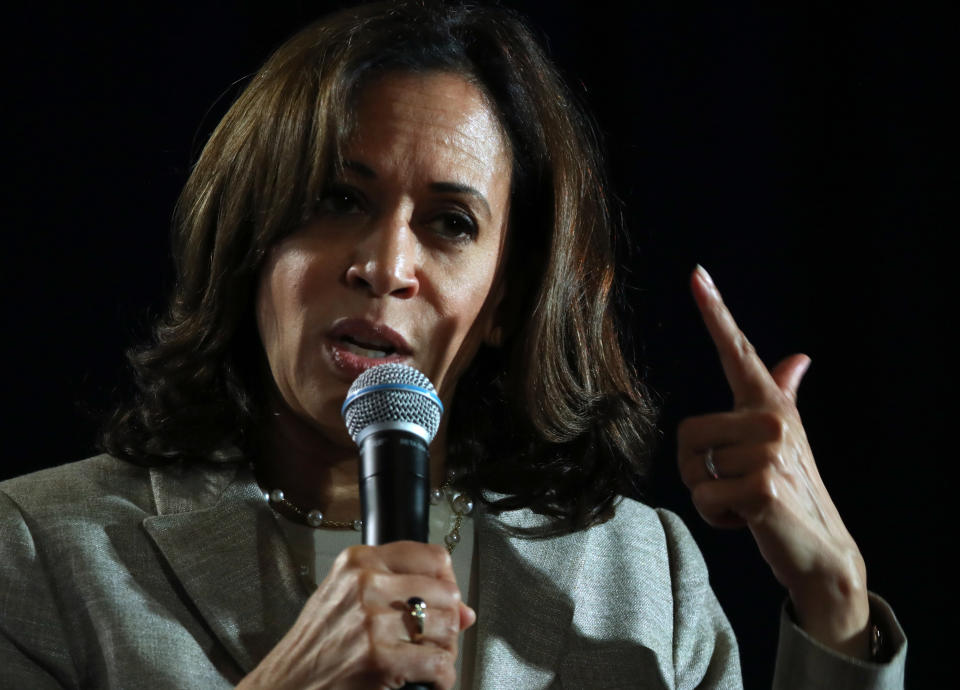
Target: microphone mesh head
<point>392,393</point>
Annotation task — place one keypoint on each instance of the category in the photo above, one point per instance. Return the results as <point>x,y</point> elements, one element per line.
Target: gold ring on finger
<point>418,611</point>
<point>708,464</point>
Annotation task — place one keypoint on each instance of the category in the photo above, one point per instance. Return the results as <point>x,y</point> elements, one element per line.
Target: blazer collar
<point>222,542</point>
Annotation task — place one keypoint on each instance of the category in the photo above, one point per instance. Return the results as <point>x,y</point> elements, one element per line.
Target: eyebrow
<point>442,187</point>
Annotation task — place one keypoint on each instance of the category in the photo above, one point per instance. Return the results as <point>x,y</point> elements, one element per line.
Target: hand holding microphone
<point>392,412</point>
<point>363,610</point>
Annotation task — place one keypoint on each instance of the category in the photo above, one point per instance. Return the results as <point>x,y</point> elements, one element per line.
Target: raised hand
<point>355,630</point>
<point>766,478</point>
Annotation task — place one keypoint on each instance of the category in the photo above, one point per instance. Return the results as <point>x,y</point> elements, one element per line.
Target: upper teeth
<point>362,351</point>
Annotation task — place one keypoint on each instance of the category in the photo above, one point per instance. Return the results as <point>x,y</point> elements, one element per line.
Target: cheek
<point>280,299</point>
<point>464,312</point>
<point>468,285</point>
<point>471,305</point>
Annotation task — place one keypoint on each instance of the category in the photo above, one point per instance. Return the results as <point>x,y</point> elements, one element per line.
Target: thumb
<point>788,373</point>
<point>467,616</point>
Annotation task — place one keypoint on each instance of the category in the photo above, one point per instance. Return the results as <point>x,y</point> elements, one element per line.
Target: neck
<point>315,472</point>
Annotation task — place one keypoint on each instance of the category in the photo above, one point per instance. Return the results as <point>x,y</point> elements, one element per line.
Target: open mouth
<point>358,344</point>
<point>372,350</point>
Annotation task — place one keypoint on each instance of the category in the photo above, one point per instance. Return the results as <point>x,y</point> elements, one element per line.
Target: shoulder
<point>81,568</point>
<point>61,530</point>
<point>704,646</point>
<point>72,511</point>
<point>92,515</point>
<point>78,487</point>
<point>643,557</point>
<point>637,577</point>
<point>652,546</point>
<point>654,535</point>
<point>106,487</point>
<point>79,505</point>
<point>639,544</point>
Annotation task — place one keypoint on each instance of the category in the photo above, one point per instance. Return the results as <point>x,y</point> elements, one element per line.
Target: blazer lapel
<point>223,544</point>
<point>524,607</point>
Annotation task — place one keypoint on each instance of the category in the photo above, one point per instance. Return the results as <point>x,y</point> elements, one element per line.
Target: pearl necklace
<point>460,503</point>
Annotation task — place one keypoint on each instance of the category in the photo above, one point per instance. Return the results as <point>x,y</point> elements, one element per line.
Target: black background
<point>795,153</point>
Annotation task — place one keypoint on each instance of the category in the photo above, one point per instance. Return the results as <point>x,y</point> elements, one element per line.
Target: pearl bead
<point>452,539</point>
<point>276,496</point>
<point>435,496</point>
<point>462,504</point>
<point>314,518</point>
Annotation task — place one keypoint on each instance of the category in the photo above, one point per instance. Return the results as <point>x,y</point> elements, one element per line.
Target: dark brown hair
<point>556,420</point>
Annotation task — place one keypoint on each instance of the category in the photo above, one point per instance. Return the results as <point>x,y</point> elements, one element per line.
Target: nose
<point>386,261</point>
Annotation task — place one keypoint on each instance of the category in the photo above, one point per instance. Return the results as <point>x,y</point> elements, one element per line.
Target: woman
<point>412,183</point>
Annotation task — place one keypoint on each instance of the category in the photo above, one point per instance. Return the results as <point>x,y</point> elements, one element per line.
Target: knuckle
<point>434,558</point>
<point>743,345</point>
<point>773,425</point>
<point>779,461</point>
<point>392,678</point>
<point>440,665</point>
<point>383,664</point>
<point>451,591</point>
<point>363,580</point>
<point>353,557</point>
<point>449,620</point>
<point>439,554</point>
<point>447,676</point>
<point>765,487</point>
<point>771,457</point>
<point>364,584</point>
<point>701,500</point>
<point>711,517</point>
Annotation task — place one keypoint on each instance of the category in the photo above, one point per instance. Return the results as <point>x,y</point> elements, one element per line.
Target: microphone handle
<point>394,492</point>
<point>394,487</point>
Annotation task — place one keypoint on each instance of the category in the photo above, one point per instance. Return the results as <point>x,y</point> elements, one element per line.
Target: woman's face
<point>400,261</point>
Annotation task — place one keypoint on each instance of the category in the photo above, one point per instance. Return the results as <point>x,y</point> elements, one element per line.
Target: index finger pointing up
<point>747,375</point>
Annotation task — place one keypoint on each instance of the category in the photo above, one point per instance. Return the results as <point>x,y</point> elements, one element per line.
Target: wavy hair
<point>557,419</point>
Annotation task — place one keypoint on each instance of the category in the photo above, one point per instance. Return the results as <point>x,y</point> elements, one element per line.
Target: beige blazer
<point>116,576</point>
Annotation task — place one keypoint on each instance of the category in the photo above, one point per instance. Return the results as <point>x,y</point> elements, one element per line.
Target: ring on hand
<point>708,464</point>
<point>418,610</point>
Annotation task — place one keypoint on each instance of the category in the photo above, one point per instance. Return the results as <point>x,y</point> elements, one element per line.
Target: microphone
<point>392,413</point>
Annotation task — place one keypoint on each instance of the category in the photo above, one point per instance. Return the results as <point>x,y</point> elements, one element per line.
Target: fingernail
<point>704,276</point>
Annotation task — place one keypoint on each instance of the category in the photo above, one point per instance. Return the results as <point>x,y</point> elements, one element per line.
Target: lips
<point>355,345</point>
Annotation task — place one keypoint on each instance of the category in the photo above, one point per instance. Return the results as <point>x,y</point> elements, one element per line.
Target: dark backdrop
<point>794,153</point>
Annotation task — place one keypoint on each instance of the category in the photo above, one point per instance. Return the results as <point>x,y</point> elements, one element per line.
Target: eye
<point>454,225</point>
<point>341,200</point>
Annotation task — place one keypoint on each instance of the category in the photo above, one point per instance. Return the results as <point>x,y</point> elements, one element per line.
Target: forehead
<point>426,114</point>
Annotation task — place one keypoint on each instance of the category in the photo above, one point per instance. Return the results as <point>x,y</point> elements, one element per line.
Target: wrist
<point>835,611</point>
